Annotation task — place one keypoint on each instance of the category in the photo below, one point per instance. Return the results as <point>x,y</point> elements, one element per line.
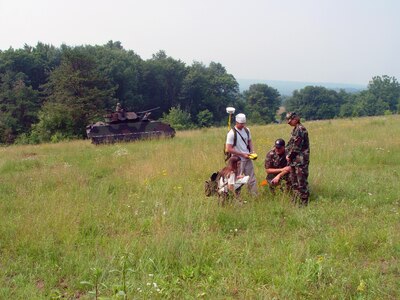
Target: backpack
<point>228,155</point>
<point>211,185</point>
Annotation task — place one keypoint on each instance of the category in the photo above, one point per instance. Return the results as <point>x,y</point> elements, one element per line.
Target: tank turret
<point>127,126</point>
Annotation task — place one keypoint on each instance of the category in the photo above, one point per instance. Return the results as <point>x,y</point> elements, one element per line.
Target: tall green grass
<point>132,219</point>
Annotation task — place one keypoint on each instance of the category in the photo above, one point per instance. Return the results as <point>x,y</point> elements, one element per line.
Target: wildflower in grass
<point>361,287</point>
<point>164,172</point>
<point>121,152</point>
<point>264,182</point>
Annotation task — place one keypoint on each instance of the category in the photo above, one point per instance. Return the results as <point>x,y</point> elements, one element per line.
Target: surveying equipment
<point>253,156</point>
<point>230,111</point>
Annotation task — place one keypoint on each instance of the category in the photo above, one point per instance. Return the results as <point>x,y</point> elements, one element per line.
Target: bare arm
<point>274,170</point>
<point>230,149</point>
<point>278,177</point>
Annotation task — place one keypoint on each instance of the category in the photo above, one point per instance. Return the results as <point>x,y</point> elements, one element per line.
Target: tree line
<point>316,103</point>
<point>51,93</point>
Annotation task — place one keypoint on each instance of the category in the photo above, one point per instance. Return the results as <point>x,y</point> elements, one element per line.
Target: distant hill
<point>286,88</point>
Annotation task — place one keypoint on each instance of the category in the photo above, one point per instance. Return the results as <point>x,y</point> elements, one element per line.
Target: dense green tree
<point>56,122</point>
<point>398,106</point>
<point>162,82</point>
<point>19,105</point>
<point>78,86</point>
<point>178,118</point>
<point>22,72</point>
<point>315,103</point>
<point>194,88</point>
<point>223,91</point>
<point>124,69</point>
<point>347,107</point>
<point>381,97</point>
<point>204,118</point>
<point>35,62</point>
<point>367,104</point>
<point>209,88</point>
<point>262,103</point>
<point>385,89</point>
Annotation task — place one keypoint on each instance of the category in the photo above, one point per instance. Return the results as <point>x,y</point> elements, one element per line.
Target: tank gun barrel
<point>149,110</point>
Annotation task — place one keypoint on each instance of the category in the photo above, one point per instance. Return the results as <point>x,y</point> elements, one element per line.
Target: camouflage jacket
<point>275,161</point>
<point>298,147</point>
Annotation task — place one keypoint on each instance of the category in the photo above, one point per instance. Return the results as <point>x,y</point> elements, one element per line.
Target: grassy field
<point>79,221</point>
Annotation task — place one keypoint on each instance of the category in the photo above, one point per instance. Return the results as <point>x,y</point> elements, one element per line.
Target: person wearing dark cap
<point>298,157</point>
<point>276,165</point>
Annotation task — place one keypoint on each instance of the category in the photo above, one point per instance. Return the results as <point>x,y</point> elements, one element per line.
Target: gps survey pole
<point>230,111</point>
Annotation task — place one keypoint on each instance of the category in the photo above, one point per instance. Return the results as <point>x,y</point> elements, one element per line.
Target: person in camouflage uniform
<point>276,165</point>
<point>118,108</point>
<point>298,157</point>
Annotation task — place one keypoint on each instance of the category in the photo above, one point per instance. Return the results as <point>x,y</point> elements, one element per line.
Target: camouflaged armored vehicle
<point>127,126</point>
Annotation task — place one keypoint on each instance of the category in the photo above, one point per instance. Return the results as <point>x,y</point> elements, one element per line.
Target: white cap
<point>241,118</point>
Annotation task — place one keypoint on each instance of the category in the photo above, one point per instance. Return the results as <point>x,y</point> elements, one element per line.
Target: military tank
<point>121,126</point>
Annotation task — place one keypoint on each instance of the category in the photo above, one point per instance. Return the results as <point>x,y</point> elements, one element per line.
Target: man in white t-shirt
<point>242,146</point>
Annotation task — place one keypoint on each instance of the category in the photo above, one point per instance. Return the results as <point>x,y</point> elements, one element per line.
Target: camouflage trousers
<point>299,183</point>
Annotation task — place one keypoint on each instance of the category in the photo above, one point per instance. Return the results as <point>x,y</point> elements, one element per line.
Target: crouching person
<point>228,177</point>
<point>276,166</point>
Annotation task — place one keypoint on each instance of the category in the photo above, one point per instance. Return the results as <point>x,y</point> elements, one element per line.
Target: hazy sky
<point>344,41</point>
